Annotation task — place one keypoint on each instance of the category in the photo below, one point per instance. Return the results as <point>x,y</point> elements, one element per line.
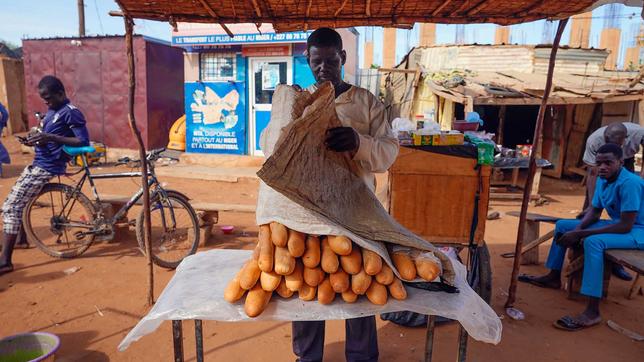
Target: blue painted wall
<point>302,75</point>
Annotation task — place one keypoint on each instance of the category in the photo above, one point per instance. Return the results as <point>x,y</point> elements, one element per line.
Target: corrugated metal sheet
<point>571,60</point>
<point>95,77</point>
<point>478,58</point>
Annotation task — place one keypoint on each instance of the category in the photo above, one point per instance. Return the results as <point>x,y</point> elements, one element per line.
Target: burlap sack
<point>302,169</point>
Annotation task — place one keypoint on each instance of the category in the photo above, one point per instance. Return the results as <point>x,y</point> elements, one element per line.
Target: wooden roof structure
<point>292,15</point>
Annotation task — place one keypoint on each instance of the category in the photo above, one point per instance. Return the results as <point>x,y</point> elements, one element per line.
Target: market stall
<point>291,16</point>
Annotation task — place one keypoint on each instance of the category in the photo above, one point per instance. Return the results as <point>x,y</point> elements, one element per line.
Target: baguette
<point>329,260</point>
<point>397,290</point>
<point>340,245</point>
<point>427,269</point>
<point>377,293</point>
<point>296,243</point>
<point>295,280</point>
<point>340,281</point>
<point>349,296</point>
<point>405,265</point>
<point>311,256</point>
<point>284,261</point>
<point>269,281</point>
<point>234,291</point>
<point>266,247</point>
<point>307,292</point>
<point>386,275</point>
<point>352,263</point>
<point>279,234</point>
<point>372,262</point>
<point>256,301</point>
<point>360,282</point>
<point>313,277</point>
<point>249,275</point>
<point>325,292</point>
<point>283,290</point>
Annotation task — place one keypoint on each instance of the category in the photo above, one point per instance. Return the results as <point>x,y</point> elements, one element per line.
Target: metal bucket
<point>32,347</point>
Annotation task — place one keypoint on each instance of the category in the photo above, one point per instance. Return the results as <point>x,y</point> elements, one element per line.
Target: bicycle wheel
<point>55,219</point>
<point>175,229</point>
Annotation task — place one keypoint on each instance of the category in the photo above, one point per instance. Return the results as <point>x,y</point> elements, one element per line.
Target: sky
<point>33,19</point>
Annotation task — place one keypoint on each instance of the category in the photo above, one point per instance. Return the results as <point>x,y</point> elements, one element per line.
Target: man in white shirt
<point>366,134</point>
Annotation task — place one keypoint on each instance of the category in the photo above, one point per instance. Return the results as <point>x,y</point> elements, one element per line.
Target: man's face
<point>53,100</point>
<point>607,165</point>
<point>326,64</point>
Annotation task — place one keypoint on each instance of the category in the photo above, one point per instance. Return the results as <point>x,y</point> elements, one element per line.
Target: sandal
<point>572,324</point>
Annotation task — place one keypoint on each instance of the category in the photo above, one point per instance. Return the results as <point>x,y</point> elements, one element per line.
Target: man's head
<point>609,160</point>
<point>52,91</point>
<point>326,56</point>
<point>615,133</point>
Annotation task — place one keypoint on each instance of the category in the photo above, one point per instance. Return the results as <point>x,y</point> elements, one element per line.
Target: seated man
<point>63,125</point>
<point>621,193</point>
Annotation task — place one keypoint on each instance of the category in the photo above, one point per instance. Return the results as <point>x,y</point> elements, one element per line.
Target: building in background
<point>229,82</point>
<point>12,88</point>
<point>94,72</point>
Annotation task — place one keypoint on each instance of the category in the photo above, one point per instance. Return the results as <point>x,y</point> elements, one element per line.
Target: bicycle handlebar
<point>151,156</point>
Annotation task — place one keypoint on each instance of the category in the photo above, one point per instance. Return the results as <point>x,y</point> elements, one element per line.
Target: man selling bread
<point>366,134</point>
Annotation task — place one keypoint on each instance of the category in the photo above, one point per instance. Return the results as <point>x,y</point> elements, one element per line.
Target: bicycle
<point>63,222</point>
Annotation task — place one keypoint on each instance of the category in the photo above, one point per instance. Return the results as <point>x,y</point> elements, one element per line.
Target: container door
<point>265,75</point>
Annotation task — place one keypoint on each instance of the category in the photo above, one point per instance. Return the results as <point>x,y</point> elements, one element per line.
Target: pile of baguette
<point>288,261</point>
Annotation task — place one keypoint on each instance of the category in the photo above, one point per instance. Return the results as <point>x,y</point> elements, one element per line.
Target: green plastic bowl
<point>32,347</point>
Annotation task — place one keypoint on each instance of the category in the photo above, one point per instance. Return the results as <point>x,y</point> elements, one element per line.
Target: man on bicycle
<point>63,125</point>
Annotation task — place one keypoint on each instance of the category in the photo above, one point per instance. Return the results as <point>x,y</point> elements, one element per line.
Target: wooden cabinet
<point>433,195</point>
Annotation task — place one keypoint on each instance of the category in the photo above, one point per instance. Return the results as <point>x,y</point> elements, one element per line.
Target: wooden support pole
<point>81,18</point>
<point>527,190</point>
<point>129,27</point>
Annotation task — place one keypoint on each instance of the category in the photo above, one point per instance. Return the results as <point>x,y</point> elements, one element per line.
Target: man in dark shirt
<point>63,125</point>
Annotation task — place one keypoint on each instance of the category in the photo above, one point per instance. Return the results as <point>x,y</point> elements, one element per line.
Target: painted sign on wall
<point>292,37</point>
<point>215,117</point>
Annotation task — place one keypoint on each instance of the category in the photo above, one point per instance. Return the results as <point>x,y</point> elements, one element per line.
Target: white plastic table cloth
<point>197,288</point>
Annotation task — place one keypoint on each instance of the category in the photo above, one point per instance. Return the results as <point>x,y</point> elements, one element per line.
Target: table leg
<point>462,344</point>
<point>199,339</point>
<point>515,177</point>
<point>177,339</point>
<point>429,338</point>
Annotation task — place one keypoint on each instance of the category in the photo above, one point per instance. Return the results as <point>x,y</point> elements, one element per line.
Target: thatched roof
<point>291,15</point>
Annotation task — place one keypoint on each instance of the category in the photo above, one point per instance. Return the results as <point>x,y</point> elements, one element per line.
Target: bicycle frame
<point>87,176</point>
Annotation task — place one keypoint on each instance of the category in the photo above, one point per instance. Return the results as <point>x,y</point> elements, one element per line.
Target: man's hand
<point>39,138</point>
<point>341,139</point>
<point>569,239</point>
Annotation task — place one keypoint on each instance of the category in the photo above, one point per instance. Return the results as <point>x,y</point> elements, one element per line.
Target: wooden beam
<point>476,8</point>
<point>454,98</point>
<point>306,17</point>
<point>367,10</point>
<point>258,11</point>
<point>460,8</point>
<point>532,168</point>
<point>530,8</point>
<point>214,14</point>
<point>441,7</point>
<point>344,3</point>
<point>147,229</point>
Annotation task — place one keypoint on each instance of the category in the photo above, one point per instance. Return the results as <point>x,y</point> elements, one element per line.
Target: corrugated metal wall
<point>478,58</point>
<point>571,61</point>
<point>95,77</point>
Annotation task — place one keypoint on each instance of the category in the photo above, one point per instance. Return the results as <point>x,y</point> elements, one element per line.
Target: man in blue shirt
<point>621,194</point>
<point>63,125</point>
<point>4,154</point>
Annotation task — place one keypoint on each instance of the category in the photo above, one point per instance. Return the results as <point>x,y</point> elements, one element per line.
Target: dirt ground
<point>94,308</point>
